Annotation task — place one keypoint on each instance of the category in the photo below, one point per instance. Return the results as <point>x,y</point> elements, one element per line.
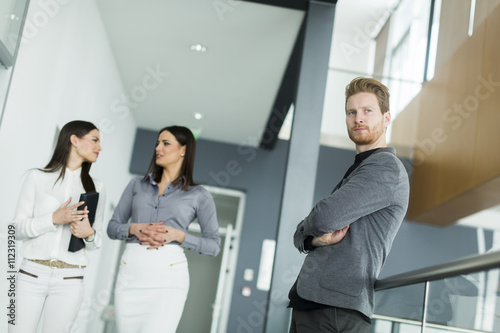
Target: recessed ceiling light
<point>198,48</point>
<point>197,115</point>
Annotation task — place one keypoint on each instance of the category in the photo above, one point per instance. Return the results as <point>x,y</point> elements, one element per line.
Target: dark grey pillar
<point>302,159</point>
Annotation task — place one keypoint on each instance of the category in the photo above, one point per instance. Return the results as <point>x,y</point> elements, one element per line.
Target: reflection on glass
<point>386,326</point>
<point>466,302</point>
<point>11,16</point>
<point>7,17</point>
<point>402,303</point>
<point>463,303</point>
<point>408,44</point>
<point>447,298</point>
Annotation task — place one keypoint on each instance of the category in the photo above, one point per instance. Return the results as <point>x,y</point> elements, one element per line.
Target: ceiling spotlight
<point>198,48</point>
<point>197,115</point>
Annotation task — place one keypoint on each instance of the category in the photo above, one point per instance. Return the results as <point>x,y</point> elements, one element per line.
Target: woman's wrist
<point>91,237</point>
<point>55,219</point>
<point>131,229</point>
<point>182,237</point>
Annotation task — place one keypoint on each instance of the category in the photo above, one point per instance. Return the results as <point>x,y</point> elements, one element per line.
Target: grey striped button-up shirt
<point>175,207</point>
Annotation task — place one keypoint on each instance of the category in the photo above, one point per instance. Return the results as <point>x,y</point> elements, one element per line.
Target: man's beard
<point>368,136</point>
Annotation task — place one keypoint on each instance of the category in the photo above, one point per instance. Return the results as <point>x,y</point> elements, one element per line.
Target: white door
<point>208,303</point>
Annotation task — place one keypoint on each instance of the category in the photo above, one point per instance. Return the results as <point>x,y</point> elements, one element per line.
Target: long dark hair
<point>185,137</point>
<point>60,156</point>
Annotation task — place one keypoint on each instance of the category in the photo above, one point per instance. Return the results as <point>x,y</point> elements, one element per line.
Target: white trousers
<point>151,289</point>
<point>56,291</point>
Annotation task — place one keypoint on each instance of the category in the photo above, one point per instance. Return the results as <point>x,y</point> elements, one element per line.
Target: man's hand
<point>331,238</point>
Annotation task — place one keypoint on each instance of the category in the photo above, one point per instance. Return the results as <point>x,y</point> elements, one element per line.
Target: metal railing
<point>461,267</point>
<point>458,267</point>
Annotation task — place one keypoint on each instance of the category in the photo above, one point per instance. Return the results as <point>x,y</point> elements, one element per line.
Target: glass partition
<point>462,303</point>
<point>405,303</point>
<point>11,19</point>
<point>7,19</point>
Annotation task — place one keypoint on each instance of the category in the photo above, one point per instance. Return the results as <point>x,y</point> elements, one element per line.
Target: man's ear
<point>387,119</point>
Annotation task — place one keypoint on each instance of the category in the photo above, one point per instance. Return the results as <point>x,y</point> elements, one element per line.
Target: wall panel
<point>455,163</point>
<point>488,121</point>
<point>453,28</point>
<point>483,9</point>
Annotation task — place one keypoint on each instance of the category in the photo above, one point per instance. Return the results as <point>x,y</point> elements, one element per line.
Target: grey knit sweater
<point>373,200</point>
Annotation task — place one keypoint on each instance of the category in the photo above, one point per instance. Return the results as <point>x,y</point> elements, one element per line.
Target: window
<point>407,52</point>
<point>11,19</point>
<point>12,16</point>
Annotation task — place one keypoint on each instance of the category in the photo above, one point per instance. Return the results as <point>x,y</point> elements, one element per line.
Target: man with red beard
<point>348,234</point>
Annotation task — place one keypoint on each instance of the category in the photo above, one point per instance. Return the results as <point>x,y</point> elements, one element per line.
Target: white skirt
<point>151,289</point>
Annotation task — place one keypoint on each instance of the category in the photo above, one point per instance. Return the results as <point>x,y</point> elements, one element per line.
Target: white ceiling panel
<point>233,84</point>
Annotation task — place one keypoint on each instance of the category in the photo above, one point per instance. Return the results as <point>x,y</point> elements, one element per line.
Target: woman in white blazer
<point>50,277</point>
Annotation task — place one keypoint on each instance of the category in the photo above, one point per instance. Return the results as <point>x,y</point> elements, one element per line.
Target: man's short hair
<point>369,85</point>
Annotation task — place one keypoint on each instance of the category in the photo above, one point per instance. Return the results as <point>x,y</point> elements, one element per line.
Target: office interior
<point>261,84</point>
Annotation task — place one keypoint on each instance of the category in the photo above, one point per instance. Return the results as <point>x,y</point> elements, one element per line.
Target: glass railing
<point>460,296</point>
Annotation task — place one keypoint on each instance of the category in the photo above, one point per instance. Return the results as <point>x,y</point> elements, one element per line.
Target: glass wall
<point>463,303</point>
<point>12,16</point>
<point>395,44</point>
<point>406,52</point>
<point>12,13</point>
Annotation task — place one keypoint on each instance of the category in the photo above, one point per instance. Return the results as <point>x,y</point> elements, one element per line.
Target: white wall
<point>65,71</point>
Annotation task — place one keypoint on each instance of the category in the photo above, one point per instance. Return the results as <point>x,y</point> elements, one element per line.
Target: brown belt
<point>53,263</point>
